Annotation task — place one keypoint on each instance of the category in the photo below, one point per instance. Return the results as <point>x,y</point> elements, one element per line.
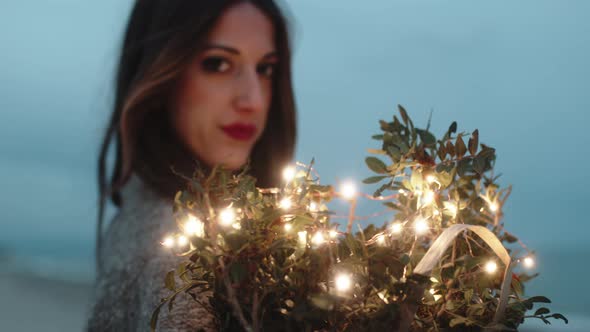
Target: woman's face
<point>224,97</point>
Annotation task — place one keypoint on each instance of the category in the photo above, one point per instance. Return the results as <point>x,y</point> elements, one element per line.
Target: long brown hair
<point>161,39</point>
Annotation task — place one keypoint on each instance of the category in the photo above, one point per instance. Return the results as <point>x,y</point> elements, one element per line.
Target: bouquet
<point>274,259</point>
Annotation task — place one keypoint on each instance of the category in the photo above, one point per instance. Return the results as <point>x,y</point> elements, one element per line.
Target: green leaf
<point>376,165</point>
<point>404,114</point>
<point>426,137</point>
<point>479,164</point>
<point>463,166</point>
<point>474,142</point>
<point>452,129</point>
<point>374,179</point>
<point>404,259</point>
<point>394,153</point>
<point>542,311</point>
<point>460,146</point>
<point>169,281</point>
<point>457,321</point>
<point>393,206</point>
<point>450,149</point>
<point>560,316</point>
<point>154,320</point>
<point>538,299</point>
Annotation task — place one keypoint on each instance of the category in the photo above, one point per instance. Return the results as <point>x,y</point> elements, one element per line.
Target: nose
<point>250,95</point>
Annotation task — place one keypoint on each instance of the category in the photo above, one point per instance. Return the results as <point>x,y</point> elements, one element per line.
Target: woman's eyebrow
<point>235,51</point>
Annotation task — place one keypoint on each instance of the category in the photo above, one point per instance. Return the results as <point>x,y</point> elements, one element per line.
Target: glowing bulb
<point>313,207</point>
<point>236,226</point>
<point>343,282</point>
<point>194,227</point>
<point>396,228</point>
<point>491,267</point>
<point>432,291</point>
<point>289,173</point>
<point>381,239</point>
<point>451,207</point>
<point>285,203</point>
<point>348,190</point>
<point>318,239</point>
<point>182,241</point>
<point>227,217</point>
<point>494,206</point>
<point>168,242</point>
<point>302,237</point>
<point>430,178</point>
<point>421,226</point>
<point>288,227</point>
<point>428,197</point>
<point>528,262</point>
<point>333,233</point>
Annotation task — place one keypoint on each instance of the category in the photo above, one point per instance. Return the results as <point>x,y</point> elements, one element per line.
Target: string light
<point>528,262</point>
<point>318,239</point>
<point>302,237</point>
<point>333,233</point>
<point>348,190</point>
<point>168,242</point>
<point>343,282</point>
<point>494,206</point>
<point>430,178</point>
<point>428,197</point>
<point>194,227</point>
<point>491,267</point>
<point>236,226</point>
<point>182,241</point>
<point>451,207</point>
<point>313,207</point>
<point>289,173</point>
<point>288,227</point>
<point>381,239</point>
<point>396,228</point>
<point>227,217</point>
<point>285,203</point>
<point>420,225</point>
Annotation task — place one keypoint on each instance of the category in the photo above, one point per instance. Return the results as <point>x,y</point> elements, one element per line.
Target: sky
<point>516,70</point>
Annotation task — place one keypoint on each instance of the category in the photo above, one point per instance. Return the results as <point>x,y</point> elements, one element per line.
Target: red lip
<point>240,131</point>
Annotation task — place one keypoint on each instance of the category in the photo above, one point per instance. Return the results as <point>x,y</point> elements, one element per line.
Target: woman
<point>199,82</point>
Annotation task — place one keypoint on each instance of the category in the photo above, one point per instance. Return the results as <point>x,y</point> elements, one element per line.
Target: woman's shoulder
<point>139,225</point>
<point>131,284</point>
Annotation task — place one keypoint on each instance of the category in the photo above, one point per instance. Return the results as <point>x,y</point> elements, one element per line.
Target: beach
<point>33,303</point>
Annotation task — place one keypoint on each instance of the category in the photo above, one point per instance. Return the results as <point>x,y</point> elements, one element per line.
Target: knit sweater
<point>134,267</point>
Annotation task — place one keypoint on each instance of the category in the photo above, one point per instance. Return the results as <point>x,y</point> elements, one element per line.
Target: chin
<point>234,162</point>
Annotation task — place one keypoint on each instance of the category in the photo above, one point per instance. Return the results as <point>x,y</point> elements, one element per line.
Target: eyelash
<point>213,64</point>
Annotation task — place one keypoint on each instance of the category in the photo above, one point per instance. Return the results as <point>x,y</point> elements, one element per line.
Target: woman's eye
<point>267,69</point>
<point>215,65</point>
